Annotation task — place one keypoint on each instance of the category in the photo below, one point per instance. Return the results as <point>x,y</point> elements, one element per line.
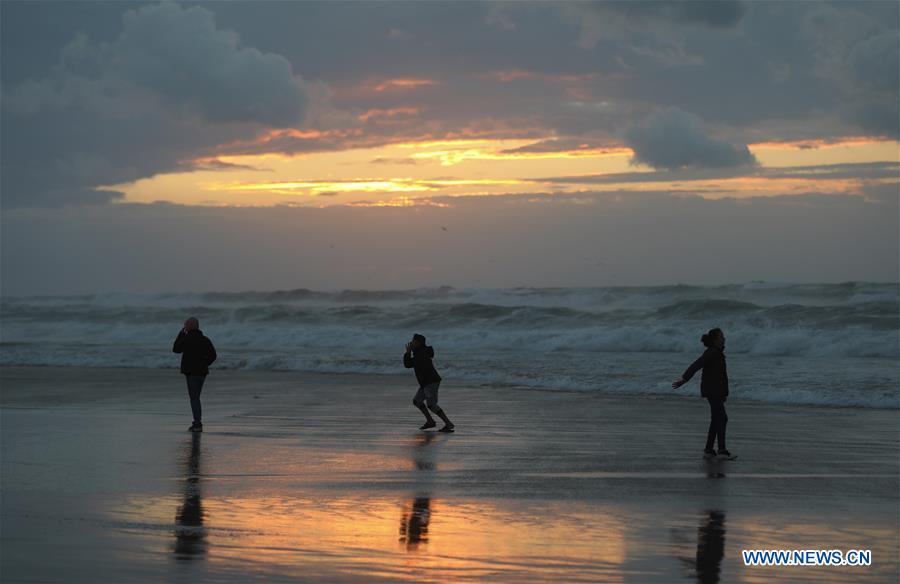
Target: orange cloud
<point>388,113</point>
<point>498,150</point>
<point>408,83</point>
<point>401,201</point>
<point>364,185</point>
<point>823,143</point>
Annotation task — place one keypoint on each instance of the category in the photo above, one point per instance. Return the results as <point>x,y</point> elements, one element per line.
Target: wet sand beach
<point>315,477</point>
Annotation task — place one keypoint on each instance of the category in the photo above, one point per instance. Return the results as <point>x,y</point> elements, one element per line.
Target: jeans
<point>195,386</point>
<point>717,422</point>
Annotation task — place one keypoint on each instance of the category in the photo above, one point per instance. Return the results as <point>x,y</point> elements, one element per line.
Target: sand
<point>313,477</point>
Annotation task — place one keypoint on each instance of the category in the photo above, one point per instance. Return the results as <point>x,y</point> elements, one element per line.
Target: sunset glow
<point>486,167</point>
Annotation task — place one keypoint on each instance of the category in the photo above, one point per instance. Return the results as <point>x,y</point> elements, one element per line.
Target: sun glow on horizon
<point>481,166</point>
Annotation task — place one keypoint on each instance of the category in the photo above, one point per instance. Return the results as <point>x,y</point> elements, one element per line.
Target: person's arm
<point>690,371</point>
<point>408,361</point>
<point>178,347</point>
<point>211,355</point>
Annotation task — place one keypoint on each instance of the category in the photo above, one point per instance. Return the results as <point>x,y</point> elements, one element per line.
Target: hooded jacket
<point>420,360</point>
<point>714,381</point>
<point>197,352</point>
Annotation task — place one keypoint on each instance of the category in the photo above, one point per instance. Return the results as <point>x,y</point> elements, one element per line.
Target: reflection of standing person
<point>190,537</point>
<point>710,548</point>
<point>713,386</point>
<point>418,356</point>
<point>197,354</point>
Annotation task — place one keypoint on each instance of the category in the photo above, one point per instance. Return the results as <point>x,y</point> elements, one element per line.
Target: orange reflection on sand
<point>314,535</point>
<point>292,525</point>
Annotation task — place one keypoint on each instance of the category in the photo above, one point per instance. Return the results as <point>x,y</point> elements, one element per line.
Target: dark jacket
<point>420,360</point>
<point>197,352</point>
<point>714,382</point>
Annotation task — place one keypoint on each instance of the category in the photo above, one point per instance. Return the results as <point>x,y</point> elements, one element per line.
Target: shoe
<point>709,453</point>
<point>427,425</point>
<point>724,452</point>
<point>196,428</point>
<point>447,429</point>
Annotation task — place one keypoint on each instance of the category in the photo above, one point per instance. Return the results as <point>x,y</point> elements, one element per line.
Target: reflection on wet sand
<point>714,469</point>
<point>190,535</point>
<point>417,515</point>
<point>414,523</point>
<point>710,547</point>
<point>279,528</point>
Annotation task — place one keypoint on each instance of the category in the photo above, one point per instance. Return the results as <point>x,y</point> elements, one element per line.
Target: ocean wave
<point>535,329</point>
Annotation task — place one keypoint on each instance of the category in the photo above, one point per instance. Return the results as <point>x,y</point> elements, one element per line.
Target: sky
<point>150,147</point>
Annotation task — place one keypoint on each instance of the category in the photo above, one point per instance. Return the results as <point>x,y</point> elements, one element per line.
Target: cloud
<point>858,54</point>
<point>667,22</point>
<point>137,98</point>
<point>874,61</point>
<point>673,139</point>
<point>874,65</point>
<point>867,172</point>
<point>168,86</point>
<point>710,13</point>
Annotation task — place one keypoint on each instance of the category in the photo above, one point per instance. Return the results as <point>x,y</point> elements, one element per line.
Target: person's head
<point>191,324</point>
<point>418,341</point>
<point>714,338</point>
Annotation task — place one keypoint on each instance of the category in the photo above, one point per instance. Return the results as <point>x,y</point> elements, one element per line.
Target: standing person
<point>714,387</point>
<point>418,356</point>
<point>197,354</point>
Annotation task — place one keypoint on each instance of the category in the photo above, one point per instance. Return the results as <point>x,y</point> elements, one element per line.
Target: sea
<point>804,344</point>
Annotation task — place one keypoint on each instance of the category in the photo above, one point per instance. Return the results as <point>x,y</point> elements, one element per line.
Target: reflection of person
<point>418,356</point>
<point>713,386</point>
<point>710,547</point>
<point>414,524</point>
<point>197,354</point>
<point>190,537</point>
<point>415,519</point>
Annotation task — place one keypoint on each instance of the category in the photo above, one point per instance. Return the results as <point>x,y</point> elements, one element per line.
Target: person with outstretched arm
<point>197,354</point>
<point>714,387</point>
<point>418,357</point>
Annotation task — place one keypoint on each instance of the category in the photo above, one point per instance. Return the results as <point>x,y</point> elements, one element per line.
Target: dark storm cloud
<point>673,139</point>
<point>134,97</point>
<point>856,48</point>
<point>174,54</point>
<point>711,13</point>
<point>874,64</point>
<point>168,86</point>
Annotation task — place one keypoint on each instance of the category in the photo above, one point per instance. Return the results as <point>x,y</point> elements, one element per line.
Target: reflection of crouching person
<point>418,356</point>
<point>197,354</point>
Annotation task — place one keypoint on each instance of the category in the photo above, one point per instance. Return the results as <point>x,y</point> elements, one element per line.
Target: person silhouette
<point>418,357</point>
<point>190,536</point>
<point>714,387</point>
<point>197,354</point>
